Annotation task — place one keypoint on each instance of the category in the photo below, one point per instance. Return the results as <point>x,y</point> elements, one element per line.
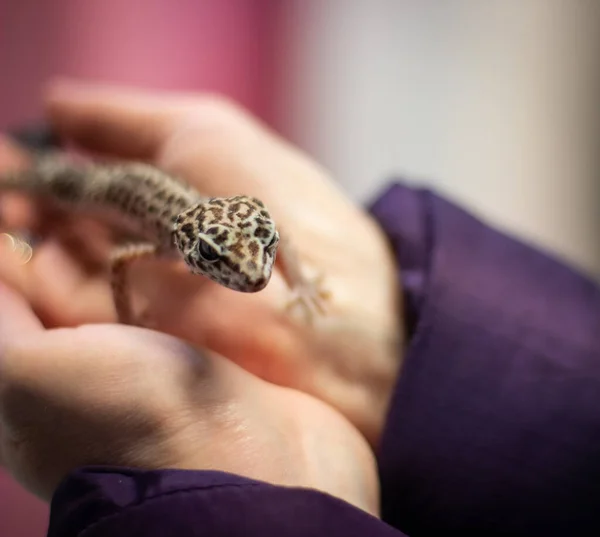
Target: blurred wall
<point>214,45</point>
<point>492,102</point>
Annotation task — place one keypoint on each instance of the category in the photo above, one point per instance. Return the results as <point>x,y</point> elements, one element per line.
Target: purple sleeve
<point>494,426</point>
<point>116,502</point>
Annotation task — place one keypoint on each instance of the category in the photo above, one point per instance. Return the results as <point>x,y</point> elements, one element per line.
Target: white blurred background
<point>492,102</point>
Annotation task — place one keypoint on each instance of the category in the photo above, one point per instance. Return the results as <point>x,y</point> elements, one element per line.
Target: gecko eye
<point>207,252</point>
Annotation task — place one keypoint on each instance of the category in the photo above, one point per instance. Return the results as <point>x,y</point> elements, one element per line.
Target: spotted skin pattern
<point>231,240</point>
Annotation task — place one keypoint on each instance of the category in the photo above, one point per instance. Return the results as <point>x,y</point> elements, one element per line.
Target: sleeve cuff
<point>118,502</point>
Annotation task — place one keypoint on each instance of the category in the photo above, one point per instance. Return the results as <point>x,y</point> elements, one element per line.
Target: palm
<point>119,395</point>
<point>356,343</point>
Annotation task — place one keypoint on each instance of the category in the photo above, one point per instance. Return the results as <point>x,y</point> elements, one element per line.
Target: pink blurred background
<point>492,103</point>
<point>223,46</point>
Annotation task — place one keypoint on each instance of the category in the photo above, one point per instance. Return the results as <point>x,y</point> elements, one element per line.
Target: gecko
<point>232,240</point>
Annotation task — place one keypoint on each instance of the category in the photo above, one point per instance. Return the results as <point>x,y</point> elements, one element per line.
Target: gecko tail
<point>22,178</point>
<point>43,168</point>
<point>17,180</point>
<point>41,142</point>
<point>12,180</point>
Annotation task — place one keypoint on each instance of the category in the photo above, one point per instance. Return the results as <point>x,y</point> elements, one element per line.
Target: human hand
<point>350,359</point>
<point>117,395</point>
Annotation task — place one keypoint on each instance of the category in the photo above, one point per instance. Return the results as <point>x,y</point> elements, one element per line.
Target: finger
<point>17,320</point>
<point>56,287</point>
<point>108,119</point>
<point>12,264</point>
<point>211,142</point>
<point>66,294</point>
<point>16,210</point>
<point>11,154</point>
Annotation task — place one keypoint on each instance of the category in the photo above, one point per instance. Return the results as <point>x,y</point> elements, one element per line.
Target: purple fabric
<point>116,502</point>
<point>494,426</point>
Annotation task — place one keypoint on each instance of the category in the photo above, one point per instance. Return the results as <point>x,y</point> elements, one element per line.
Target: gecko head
<point>233,241</point>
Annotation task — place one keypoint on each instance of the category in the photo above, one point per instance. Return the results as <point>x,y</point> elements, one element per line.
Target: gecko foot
<point>120,262</point>
<point>311,296</point>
